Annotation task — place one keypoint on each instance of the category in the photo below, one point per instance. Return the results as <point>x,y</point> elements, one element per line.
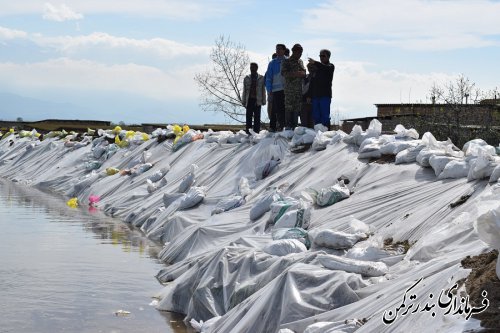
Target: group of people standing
<point>291,91</point>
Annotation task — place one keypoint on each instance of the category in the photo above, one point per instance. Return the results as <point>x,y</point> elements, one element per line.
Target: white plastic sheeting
<point>217,266</point>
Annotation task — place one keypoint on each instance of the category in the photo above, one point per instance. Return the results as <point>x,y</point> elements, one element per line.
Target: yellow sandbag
<point>73,202</point>
<point>24,134</point>
<point>177,129</point>
<point>90,132</point>
<point>117,129</point>
<point>145,137</point>
<point>112,171</point>
<point>129,134</point>
<point>185,128</point>
<point>11,131</point>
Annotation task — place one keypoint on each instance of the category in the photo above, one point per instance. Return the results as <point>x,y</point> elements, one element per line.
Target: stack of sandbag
<point>357,136</point>
<point>436,148</point>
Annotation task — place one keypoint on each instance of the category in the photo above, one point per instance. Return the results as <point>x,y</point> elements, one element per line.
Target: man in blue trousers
<point>322,88</point>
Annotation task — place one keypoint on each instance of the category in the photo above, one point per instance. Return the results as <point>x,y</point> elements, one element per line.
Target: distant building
<point>458,122</point>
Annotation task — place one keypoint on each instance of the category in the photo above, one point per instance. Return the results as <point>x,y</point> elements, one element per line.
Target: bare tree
<point>220,86</point>
<point>453,116</point>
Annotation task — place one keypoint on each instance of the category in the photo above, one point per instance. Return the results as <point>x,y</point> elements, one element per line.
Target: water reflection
<point>70,270</point>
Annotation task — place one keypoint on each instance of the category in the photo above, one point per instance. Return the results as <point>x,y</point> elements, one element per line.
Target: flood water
<point>71,270</point>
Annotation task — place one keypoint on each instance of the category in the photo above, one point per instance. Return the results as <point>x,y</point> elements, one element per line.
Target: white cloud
<point>356,89</point>
<point>59,13</point>
<point>414,24</point>
<point>173,9</point>
<point>83,75</point>
<point>161,47</point>
<point>71,45</point>
<point>7,34</point>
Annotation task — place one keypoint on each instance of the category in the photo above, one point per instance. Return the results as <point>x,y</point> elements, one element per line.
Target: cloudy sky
<point>134,61</point>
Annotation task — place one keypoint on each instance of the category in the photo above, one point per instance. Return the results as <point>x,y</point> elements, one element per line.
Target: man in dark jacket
<point>321,91</point>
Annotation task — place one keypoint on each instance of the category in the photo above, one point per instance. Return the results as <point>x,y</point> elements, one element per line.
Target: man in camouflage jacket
<point>293,71</point>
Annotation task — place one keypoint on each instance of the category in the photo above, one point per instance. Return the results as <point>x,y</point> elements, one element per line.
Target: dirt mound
<point>483,277</point>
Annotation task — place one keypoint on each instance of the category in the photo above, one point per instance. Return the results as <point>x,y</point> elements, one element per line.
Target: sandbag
<point>263,204</point>
<point>402,132</point>
<point>227,204</point>
<point>189,179</point>
<point>280,207</point>
<point>455,169</point>
<point>194,196</point>
<point>366,268</point>
<point>337,240</point>
<point>112,171</point>
<point>371,150</point>
<point>92,165</point>
<point>204,327</point>
<point>425,154</point>
<point>394,147</point>
<point>337,137</point>
<point>298,218</point>
<point>330,195</point>
<point>488,227</point>
<point>320,141</point>
<point>140,169</point>
<point>481,167</point>
<point>99,151</point>
<point>264,169</point>
<point>495,174</point>
<point>292,233</point>
<point>408,155</point>
<point>438,163</point>
<point>282,247</point>
<point>244,187</point>
<point>352,138</point>
<point>150,186</point>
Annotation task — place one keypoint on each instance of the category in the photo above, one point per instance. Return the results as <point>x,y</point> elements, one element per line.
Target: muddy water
<point>71,270</point>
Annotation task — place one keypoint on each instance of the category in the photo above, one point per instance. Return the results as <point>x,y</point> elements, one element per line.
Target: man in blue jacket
<point>274,87</point>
